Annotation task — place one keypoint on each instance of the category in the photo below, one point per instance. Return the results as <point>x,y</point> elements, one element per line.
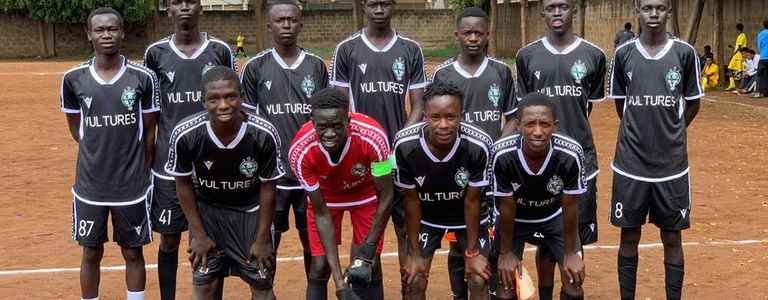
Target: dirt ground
<point>730,201</point>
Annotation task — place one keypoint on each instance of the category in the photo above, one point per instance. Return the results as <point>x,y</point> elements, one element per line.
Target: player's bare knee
<point>476,283</point>
<point>169,242</point>
<point>132,254</point>
<point>319,269</point>
<point>418,286</point>
<point>93,254</point>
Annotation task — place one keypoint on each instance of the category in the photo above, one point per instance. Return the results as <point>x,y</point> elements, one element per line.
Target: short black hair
<point>628,26</point>
<point>472,11</point>
<point>707,48</point>
<point>329,98</point>
<point>765,23</point>
<point>637,3</point>
<point>441,88</point>
<point>273,3</point>
<point>219,73</point>
<point>104,11</point>
<point>740,27</point>
<point>535,99</point>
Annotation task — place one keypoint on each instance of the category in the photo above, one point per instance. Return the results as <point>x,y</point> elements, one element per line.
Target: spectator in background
<point>736,65</point>
<point>624,35</point>
<point>762,68</point>
<point>710,75</point>
<point>703,57</point>
<point>240,42</point>
<point>748,78</point>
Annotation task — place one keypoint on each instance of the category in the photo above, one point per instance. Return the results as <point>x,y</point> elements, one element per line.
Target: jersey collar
<point>525,163</point>
<point>203,36</point>
<point>114,79</point>
<point>565,51</point>
<point>425,147</point>
<point>465,73</point>
<point>234,143</point>
<point>341,157</point>
<point>284,65</point>
<point>659,55</point>
<point>373,47</point>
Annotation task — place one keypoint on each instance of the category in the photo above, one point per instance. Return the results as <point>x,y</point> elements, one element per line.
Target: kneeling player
<point>442,164</point>
<point>538,178</point>
<point>235,159</point>
<point>342,161</point>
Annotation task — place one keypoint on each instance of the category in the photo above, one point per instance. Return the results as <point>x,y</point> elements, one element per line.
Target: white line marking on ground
<point>737,103</point>
<point>31,73</point>
<point>387,254</point>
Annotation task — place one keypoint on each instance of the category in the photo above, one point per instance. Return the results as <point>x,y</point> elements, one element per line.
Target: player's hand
<point>574,268</point>
<point>509,264</point>
<point>199,247</point>
<point>416,266</point>
<point>361,269</point>
<point>262,253</point>
<point>477,265</point>
<point>345,293</point>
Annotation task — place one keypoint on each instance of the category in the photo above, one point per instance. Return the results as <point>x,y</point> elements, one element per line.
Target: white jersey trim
<point>483,221</point>
<point>481,183</point>
<point>163,177</point>
<point>575,192</point>
<point>328,155</point>
<point>124,203</point>
<point>311,188</point>
<point>417,86</point>
<point>273,178</point>
<point>234,143</point>
<point>552,216</point>
<point>565,51</point>
<point>403,185</point>
<point>373,47</point>
<point>648,179</point>
<point>282,62</point>
<point>349,204</point>
<point>659,55</point>
<point>425,148</point>
<point>464,73</point>
<point>203,36</point>
<point>340,83</point>
<point>70,111</point>
<point>289,187</point>
<point>543,167</point>
<point>99,80</point>
<point>174,173</point>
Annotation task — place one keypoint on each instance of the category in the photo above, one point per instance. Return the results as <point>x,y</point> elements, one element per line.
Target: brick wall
<point>19,36</point>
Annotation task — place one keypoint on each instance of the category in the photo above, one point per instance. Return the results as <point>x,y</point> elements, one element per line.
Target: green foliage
<point>459,5</point>
<point>76,11</point>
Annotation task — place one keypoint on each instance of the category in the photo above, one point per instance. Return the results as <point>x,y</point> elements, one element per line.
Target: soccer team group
<point>481,160</point>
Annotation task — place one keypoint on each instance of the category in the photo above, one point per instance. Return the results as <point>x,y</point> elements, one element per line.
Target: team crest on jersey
<point>170,75</point>
<point>129,97</point>
<point>87,100</point>
<point>579,71</point>
<point>461,177</point>
<point>248,167</point>
<point>673,78</point>
<point>268,84</point>
<point>494,94</point>
<point>537,74</point>
<point>555,185</point>
<point>363,67</point>
<point>398,67</point>
<point>358,170</point>
<point>207,67</point>
<point>308,86</point>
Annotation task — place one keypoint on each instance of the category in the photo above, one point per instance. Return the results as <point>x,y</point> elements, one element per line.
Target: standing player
<point>179,60</point>
<point>539,176</point>
<point>111,107</point>
<point>571,71</point>
<point>278,83</point>
<point>376,67</point>
<point>235,160</point>
<point>655,82</point>
<point>442,166</point>
<point>488,90</point>
<point>342,161</point>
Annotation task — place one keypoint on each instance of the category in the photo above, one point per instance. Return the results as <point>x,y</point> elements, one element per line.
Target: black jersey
<point>280,93</point>
<point>378,79</point>
<point>225,175</point>
<point>180,76</point>
<point>652,142</point>
<point>489,93</point>
<point>571,78</point>
<point>442,183</point>
<point>538,194</point>
<point>111,154</point>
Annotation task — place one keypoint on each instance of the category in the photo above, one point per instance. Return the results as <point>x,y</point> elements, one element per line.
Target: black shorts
<point>167,215</point>
<point>430,238</point>
<point>130,223</point>
<point>233,231</point>
<point>285,198</point>
<point>666,204</point>
<point>588,213</point>
<point>549,233</point>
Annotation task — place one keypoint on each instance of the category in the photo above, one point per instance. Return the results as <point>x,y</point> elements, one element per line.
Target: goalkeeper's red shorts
<point>362,220</point>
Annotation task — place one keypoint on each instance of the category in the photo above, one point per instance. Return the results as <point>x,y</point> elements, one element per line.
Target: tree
<point>76,11</point>
<point>693,27</point>
<point>675,17</point>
